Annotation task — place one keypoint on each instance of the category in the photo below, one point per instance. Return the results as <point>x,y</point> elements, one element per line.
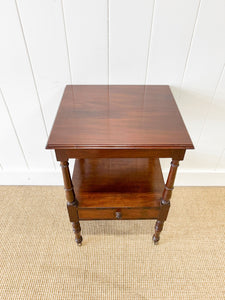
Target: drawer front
<point>117,214</point>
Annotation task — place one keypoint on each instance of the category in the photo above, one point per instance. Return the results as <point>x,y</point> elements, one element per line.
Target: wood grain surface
<point>118,182</point>
<point>118,117</point>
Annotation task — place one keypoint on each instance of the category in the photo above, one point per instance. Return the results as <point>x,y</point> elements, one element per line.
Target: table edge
<point>118,147</point>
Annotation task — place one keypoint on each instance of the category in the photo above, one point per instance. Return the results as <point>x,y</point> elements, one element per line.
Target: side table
<point>117,133</point>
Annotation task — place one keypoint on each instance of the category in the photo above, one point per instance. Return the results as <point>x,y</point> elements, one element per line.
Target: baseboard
<point>184,178</point>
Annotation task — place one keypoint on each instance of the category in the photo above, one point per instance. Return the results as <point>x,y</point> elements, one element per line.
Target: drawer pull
<point>118,215</point>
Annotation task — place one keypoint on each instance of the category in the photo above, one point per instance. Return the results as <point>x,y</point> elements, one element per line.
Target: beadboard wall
<point>47,44</point>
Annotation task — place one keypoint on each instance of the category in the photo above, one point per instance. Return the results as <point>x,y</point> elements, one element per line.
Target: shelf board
<point>118,183</point>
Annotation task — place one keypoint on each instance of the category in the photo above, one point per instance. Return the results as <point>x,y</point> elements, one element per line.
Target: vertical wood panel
<point>212,142</point>
<point>181,44</point>
<point>221,162</point>
<point>171,37</point>
<point>129,34</point>
<point>86,28</point>
<point>204,66</point>
<point>43,27</point>
<point>172,31</point>
<point>19,91</point>
<point>11,155</point>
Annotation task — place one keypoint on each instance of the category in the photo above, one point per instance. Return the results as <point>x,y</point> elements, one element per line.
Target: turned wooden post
<point>165,200</point>
<point>71,200</point>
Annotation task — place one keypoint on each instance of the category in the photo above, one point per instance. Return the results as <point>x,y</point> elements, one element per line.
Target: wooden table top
<point>118,117</point>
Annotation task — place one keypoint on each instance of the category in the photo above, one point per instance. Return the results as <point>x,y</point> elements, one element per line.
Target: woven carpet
<point>40,260</point>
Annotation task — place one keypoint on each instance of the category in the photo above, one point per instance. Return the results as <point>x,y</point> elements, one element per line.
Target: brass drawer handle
<point>118,215</point>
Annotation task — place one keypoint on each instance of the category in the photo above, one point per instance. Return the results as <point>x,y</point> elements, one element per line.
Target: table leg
<point>71,200</point>
<point>165,200</point>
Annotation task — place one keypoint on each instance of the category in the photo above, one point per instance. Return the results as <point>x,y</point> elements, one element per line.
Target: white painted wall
<point>47,44</point>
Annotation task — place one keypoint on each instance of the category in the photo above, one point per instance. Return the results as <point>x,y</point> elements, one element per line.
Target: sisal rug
<point>40,260</point>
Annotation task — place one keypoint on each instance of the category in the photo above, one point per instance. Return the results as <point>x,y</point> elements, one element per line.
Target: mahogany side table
<point>117,133</point>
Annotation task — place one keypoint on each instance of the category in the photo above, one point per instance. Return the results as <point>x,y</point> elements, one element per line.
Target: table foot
<point>79,241</point>
<point>155,239</point>
<point>77,231</point>
<point>158,229</point>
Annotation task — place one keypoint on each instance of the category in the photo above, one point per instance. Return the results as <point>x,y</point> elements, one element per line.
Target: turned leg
<point>71,200</point>
<point>165,200</point>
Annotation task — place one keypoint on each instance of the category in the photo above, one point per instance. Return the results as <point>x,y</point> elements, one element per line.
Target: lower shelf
<point>117,188</point>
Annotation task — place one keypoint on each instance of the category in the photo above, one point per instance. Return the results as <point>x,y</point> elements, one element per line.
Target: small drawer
<point>139,213</point>
<point>96,214</point>
<point>117,213</point>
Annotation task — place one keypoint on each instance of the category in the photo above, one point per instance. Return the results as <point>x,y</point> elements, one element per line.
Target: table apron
<point>65,154</point>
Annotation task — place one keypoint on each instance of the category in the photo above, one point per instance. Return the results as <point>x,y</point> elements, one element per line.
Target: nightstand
<point>117,133</point>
